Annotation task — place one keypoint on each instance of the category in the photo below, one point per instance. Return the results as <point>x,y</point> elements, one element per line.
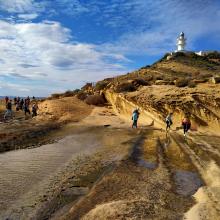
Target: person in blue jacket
<point>135,117</point>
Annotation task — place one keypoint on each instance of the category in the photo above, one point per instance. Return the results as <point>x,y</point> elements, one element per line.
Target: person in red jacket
<point>186,125</point>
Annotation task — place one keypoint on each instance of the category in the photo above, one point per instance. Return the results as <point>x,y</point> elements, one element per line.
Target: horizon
<point>53,46</point>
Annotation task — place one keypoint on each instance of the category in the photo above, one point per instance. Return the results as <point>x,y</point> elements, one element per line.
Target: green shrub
<point>95,100</point>
<point>179,54</point>
<point>76,91</point>
<point>87,86</point>
<point>68,93</point>
<point>182,82</point>
<point>159,77</point>
<point>101,85</point>
<point>148,77</point>
<point>125,87</point>
<point>145,67</point>
<point>140,82</point>
<point>55,96</point>
<point>204,77</point>
<point>82,95</point>
<point>214,55</point>
<point>191,84</point>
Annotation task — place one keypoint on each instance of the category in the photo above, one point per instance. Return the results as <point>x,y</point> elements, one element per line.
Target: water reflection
<point>187,183</point>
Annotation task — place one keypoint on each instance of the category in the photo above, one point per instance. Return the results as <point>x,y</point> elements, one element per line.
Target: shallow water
<point>27,170</point>
<point>187,183</point>
<point>147,164</point>
<point>26,174</point>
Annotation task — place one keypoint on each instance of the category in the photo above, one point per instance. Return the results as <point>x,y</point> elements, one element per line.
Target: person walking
<point>135,117</point>
<point>15,101</point>
<point>17,107</point>
<point>6,100</point>
<point>186,125</point>
<point>8,112</point>
<point>28,100</point>
<point>34,109</point>
<point>21,104</point>
<point>26,107</point>
<point>169,121</point>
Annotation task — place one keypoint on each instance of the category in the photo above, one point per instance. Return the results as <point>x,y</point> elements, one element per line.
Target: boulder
<point>215,79</point>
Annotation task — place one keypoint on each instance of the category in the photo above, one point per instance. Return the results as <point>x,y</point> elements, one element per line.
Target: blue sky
<point>51,46</point>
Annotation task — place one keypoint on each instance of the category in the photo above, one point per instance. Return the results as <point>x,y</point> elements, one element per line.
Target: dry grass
<point>64,109</point>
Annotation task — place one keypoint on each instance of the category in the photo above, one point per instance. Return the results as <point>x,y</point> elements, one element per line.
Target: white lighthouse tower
<point>181,42</point>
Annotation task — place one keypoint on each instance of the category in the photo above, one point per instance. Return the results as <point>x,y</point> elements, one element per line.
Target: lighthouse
<point>181,42</point>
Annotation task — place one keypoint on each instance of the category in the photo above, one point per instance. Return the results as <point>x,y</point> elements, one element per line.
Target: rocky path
<point>203,151</point>
<point>136,174</point>
<point>156,181</point>
<point>28,177</point>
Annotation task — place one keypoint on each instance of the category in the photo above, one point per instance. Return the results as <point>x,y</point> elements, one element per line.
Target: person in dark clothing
<point>15,101</point>
<point>21,103</point>
<point>26,107</point>
<point>6,100</point>
<point>169,121</point>
<point>186,125</point>
<point>17,107</point>
<point>28,100</point>
<point>34,110</point>
<point>8,112</point>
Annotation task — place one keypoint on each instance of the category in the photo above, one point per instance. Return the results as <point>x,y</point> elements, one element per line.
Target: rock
<point>162,82</point>
<point>215,79</point>
<point>169,57</point>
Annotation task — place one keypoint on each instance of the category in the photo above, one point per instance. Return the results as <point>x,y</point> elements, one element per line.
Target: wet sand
<point>23,131</point>
<point>27,175</point>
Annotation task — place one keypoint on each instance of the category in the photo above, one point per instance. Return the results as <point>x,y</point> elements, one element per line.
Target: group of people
<point>20,104</point>
<point>186,124</point>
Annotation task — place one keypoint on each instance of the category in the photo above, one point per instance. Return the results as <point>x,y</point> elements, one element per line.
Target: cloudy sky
<point>49,46</point>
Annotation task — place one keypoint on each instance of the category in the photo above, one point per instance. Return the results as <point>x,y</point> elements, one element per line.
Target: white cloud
<point>150,27</point>
<point>73,7</point>
<point>46,54</point>
<point>28,16</point>
<point>21,6</point>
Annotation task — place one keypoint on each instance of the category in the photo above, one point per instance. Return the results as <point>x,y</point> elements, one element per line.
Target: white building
<point>181,42</point>
<point>205,53</point>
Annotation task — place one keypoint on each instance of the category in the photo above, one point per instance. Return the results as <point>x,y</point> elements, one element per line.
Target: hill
<point>182,83</point>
